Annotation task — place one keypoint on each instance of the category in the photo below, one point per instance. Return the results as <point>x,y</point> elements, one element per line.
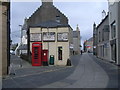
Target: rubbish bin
<point>68,62</point>
<point>51,62</point>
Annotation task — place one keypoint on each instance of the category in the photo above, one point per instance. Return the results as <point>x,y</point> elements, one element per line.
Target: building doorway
<point>113,52</point>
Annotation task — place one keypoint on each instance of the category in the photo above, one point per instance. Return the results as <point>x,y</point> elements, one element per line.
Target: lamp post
<point>21,35</point>
<point>48,45</point>
<point>21,44</point>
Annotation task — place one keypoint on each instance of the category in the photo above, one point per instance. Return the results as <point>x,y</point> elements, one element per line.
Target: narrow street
<point>90,73</point>
<point>87,71</point>
<point>64,44</point>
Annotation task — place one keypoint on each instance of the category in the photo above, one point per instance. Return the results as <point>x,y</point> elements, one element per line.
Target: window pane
<point>113,30</point>
<point>59,53</point>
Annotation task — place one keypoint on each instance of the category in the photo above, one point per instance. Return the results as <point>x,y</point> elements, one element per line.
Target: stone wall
<point>4,38</point>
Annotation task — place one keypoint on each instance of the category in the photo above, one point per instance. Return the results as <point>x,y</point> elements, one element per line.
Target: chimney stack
<point>103,14</point>
<point>47,2</point>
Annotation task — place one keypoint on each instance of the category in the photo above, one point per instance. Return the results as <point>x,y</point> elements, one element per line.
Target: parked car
<point>12,52</point>
<point>90,51</point>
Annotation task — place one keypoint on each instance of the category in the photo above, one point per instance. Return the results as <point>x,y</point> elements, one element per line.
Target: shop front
<point>55,49</point>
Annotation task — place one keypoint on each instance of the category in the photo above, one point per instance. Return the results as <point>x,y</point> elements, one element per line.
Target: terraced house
<point>114,24</point>
<point>106,35</point>
<point>103,39</point>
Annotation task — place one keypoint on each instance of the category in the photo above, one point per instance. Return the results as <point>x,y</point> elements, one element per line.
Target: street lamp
<point>21,43</point>
<point>21,33</point>
<point>48,44</point>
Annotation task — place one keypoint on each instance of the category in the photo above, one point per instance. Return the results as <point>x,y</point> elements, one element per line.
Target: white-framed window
<point>113,30</point>
<point>48,36</point>
<point>35,37</point>
<point>62,36</point>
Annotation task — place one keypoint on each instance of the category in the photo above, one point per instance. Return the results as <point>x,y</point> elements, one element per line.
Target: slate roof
<point>103,21</point>
<point>50,24</point>
<point>41,15</point>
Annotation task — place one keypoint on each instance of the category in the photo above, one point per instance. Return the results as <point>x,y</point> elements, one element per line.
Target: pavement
<point>28,76</point>
<point>86,71</point>
<point>22,68</point>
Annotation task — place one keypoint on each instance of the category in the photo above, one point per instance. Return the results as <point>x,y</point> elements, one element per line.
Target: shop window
<point>48,36</point>
<point>113,53</point>
<point>62,37</point>
<point>103,51</point>
<point>59,53</point>
<point>113,30</point>
<point>99,36</point>
<point>103,35</point>
<point>106,28</point>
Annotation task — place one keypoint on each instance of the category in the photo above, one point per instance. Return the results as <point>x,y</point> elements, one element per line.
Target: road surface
<point>86,71</point>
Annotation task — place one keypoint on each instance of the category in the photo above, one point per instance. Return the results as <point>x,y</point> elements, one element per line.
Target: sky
<point>82,13</point>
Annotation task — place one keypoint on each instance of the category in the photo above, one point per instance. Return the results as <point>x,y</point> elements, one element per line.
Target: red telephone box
<point>45,57</point>
<point>37,54</point>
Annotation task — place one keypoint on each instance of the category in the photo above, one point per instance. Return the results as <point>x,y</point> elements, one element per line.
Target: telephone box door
<point>36,54</point>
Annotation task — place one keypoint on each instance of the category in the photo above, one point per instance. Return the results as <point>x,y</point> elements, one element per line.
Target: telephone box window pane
<point>36,44</point>
<point>59,53</point>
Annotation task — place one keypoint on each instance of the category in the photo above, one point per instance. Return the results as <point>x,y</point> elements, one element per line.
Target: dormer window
<point>58,19</point>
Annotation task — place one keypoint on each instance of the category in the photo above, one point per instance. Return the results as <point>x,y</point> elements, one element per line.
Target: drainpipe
<point>8,36</point>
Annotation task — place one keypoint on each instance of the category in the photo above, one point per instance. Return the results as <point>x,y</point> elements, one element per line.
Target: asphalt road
<point>86,71</point>
<point>39,76</point>
<point>90,72</point>
<point>112,71</point>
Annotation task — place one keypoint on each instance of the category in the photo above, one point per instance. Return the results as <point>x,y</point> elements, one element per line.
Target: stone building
<point>88,45</point>
<point>95,37</point>
<point>84,46</point>
<point>22,46</point>
<point>47,11</point>
<point>114,24</point>
<point>107,35</point>
<point>76,41</point>
<point>50,27</point>
<point>4,37</point>
<point>102,31</point>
